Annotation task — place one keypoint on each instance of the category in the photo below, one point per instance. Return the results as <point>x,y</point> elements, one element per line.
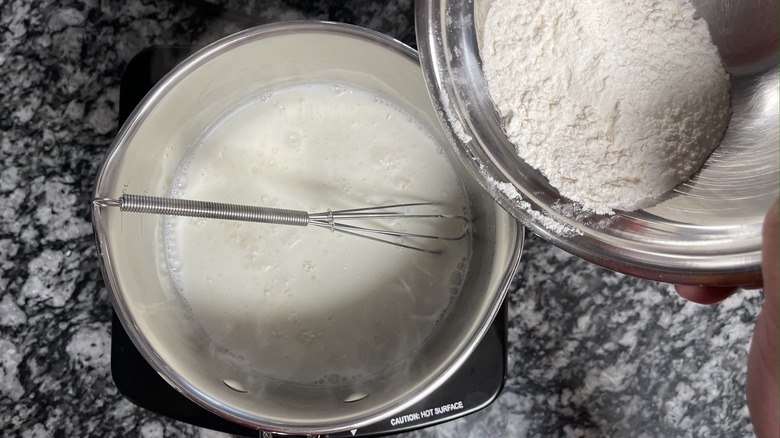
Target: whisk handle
<point>211,210</point>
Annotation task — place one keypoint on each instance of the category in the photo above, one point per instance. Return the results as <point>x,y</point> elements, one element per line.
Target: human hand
<point>762,370</point>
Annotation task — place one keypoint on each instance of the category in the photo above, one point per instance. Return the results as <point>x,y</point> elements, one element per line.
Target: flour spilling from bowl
<point>615,103</point>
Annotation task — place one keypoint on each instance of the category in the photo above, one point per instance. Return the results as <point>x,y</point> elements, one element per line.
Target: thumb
<point>762,371</point>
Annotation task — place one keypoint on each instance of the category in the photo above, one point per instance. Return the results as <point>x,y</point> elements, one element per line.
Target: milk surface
<point>305,304</point>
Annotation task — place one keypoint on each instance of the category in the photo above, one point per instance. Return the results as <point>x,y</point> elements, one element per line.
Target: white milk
<point>305,304</point>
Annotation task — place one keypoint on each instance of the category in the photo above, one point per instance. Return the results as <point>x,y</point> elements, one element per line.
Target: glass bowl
<point>706,231</point>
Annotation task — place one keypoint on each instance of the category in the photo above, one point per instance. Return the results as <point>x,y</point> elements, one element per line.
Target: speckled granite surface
<point>592,353</point>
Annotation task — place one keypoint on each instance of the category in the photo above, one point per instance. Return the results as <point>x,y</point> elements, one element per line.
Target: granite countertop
<point>592,353</point>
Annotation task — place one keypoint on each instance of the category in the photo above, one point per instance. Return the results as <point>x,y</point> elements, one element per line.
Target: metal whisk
<point>331,220</point>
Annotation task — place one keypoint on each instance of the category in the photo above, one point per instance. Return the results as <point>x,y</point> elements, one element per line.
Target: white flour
<point>615,102</point>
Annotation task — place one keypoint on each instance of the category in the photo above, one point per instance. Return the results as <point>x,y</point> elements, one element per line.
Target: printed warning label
<point>426,413</point>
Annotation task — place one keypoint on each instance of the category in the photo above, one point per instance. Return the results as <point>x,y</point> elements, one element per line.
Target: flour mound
<point>615,102</point>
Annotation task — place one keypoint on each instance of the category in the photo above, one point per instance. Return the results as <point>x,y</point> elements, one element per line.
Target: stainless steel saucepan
<point>148,150</point>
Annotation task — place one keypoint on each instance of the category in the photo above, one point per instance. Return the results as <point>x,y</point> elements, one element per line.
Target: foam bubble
<point>456,278</point>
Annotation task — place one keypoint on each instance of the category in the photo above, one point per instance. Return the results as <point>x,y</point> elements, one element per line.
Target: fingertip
<point>704,294</point>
